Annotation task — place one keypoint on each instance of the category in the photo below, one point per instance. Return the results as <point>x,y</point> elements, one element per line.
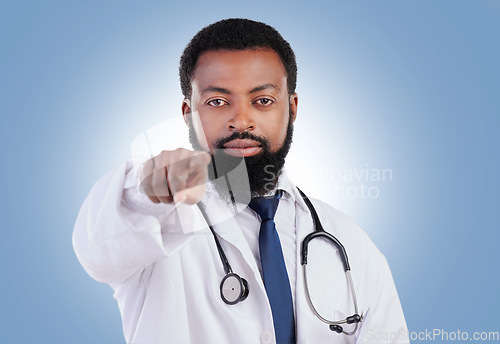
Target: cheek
<point>200,130</point>
<point>208,129</point>
<point>278,134</point>
<point>211,130</point>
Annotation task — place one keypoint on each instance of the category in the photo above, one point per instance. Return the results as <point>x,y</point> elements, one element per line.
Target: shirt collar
<point>284,183</point>
<point>290,191</point>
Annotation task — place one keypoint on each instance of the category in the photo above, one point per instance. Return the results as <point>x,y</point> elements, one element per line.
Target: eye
<point>217,102</point>
<point>264,101</point>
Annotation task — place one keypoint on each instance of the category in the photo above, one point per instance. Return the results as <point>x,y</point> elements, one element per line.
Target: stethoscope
<point>234,289</point>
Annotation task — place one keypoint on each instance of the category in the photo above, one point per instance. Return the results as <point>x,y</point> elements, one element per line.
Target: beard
<point>238,179</point>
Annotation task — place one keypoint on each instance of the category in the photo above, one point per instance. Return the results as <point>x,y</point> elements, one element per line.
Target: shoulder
<point>358,244</point>
<point>336,222</point>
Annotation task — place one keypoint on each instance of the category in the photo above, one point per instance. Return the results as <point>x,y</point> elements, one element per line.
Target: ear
<point>186,109</point>
<point>294,101</point>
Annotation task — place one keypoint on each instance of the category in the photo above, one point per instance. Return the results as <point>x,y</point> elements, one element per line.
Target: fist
<point>176,176</point>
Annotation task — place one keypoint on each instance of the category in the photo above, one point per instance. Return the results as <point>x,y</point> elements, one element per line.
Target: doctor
<point>146,235</point>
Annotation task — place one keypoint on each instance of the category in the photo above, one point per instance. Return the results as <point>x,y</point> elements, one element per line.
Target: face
<point>234,92</point>
<point>240,109</point>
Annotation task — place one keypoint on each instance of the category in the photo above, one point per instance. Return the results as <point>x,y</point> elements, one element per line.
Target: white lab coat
<point>166,279</point>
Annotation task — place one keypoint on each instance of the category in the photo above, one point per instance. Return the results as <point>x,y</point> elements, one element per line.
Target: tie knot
<point>266,206</point>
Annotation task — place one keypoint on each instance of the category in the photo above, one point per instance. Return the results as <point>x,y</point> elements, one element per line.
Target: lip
<point>242,147</point>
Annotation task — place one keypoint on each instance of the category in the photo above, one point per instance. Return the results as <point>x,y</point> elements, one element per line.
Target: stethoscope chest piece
<point>233,289</point>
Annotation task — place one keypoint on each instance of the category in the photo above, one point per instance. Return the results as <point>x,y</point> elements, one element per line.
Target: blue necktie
<point>274,269</point>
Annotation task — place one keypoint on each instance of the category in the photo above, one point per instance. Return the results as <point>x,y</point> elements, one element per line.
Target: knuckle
<point>174,177</point>
<point>180,150</point>
<point>158,184</point>
<point>176,184</point>
<point>165,153</point>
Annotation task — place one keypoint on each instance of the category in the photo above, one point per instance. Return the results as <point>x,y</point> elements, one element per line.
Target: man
<point>164,238</point>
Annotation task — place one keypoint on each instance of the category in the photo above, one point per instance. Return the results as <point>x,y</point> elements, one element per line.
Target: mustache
<point>219,143</point>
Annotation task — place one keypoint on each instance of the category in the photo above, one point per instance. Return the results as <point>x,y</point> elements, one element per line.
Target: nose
<point>241,118</point>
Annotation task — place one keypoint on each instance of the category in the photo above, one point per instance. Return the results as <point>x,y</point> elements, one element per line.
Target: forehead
<point>239,69</point>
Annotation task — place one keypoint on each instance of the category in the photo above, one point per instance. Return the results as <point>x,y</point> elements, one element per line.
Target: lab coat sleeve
<point>119,231</point>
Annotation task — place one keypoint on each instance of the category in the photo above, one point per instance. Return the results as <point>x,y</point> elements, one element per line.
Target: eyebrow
<point>265,87</point>
<point>226,91</point>
<point>215,89</point>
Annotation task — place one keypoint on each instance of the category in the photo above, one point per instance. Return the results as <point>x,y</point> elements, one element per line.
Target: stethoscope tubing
<point>323,319</point>
<point>319,232</point>
<point>222,255</point>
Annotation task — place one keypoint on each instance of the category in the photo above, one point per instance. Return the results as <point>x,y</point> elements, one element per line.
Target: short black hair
<point>236,34</point>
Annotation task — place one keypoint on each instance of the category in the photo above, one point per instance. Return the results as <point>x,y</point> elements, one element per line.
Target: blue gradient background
<point>412,86</point>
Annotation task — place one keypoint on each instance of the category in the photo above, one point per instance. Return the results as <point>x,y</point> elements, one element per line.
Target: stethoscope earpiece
<point>336,328</point>
<point>233,289</point>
